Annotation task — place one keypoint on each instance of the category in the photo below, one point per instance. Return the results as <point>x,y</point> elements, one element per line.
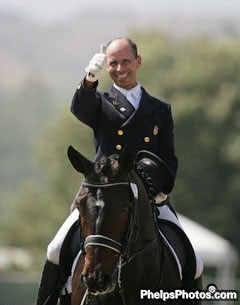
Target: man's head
<point>122,62</point>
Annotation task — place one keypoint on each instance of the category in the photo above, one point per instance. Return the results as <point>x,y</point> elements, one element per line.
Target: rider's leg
<point>50,285</point>
<point>168,214</point>
<point>51,282</point>
<point>54,248</point>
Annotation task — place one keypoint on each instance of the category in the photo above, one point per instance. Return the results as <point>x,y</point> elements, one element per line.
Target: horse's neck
<point>145,218</point>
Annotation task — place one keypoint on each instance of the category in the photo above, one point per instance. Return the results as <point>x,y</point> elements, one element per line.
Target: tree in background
<point>200,77</point>
<point>41,206</point>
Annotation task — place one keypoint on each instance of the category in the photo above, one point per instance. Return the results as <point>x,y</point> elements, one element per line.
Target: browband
<point>88,184</point>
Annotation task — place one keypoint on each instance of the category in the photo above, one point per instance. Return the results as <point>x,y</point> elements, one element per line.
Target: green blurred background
<point>190,58</point>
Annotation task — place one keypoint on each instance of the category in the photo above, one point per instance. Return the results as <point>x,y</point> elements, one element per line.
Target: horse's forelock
<point>102,166</point>
<point>107,166</point>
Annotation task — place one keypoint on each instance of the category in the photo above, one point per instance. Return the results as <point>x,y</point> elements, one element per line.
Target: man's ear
<point>139,61</point>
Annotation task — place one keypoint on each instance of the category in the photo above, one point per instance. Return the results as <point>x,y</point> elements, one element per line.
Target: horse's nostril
<point>97,282</point>
<point>104,279</point>
<point>91,283</point>
<point>82,278</point>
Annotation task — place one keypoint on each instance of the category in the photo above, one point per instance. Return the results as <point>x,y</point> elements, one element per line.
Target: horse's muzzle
<point>98,283</point>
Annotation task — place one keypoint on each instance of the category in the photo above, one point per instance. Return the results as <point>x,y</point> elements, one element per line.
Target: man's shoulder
<point>158,101</point>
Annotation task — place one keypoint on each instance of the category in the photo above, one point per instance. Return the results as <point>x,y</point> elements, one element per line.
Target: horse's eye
<point>80,199</point>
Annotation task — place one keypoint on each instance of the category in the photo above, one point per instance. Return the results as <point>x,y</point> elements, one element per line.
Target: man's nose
<point>119,66</point>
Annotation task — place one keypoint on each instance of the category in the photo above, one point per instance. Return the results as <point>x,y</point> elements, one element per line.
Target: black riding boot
<point>50,285</point>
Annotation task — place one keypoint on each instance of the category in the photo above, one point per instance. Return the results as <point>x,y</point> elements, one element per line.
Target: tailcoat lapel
<point>124,113</point>
<point>119,101</point>
<point>147,105</point>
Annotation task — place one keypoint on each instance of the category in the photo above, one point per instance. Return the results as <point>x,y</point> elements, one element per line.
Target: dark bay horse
<point>123,252</point>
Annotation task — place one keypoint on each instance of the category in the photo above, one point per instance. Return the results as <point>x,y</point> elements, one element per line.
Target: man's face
<point>122,65</point>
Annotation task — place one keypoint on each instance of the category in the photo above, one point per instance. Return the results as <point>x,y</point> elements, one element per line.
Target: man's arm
<point>167,150</point>
<point>86,101</point>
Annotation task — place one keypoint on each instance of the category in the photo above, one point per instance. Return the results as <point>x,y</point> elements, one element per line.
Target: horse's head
<point>104,202</point>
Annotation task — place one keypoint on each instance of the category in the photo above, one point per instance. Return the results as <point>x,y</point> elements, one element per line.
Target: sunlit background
<point>190,52</point>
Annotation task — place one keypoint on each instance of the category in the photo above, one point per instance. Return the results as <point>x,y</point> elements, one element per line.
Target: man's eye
<point>113,64</point>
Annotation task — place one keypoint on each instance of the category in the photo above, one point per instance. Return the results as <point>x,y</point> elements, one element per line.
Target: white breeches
<point>54,248</point>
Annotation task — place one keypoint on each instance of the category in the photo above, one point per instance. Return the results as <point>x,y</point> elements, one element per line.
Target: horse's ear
<point>126,160</point>
<point>78,161</point>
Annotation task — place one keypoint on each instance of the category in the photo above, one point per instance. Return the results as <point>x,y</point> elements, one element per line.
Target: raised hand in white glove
<point>96,64</point>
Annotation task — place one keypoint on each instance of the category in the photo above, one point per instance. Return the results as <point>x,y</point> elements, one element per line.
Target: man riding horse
<point>125,115</point>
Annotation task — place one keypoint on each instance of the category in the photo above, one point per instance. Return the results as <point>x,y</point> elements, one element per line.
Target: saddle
<point>181,248</point>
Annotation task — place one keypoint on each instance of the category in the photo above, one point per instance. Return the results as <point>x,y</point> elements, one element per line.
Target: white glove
<point>96,64</point>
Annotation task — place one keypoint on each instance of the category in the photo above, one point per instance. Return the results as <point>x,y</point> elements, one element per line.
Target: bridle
<point>101,240</point>
<point>122,249</point>
<point>104,241</point>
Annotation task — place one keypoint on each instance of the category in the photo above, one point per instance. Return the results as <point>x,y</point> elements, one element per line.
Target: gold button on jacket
<point>120,132</point>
